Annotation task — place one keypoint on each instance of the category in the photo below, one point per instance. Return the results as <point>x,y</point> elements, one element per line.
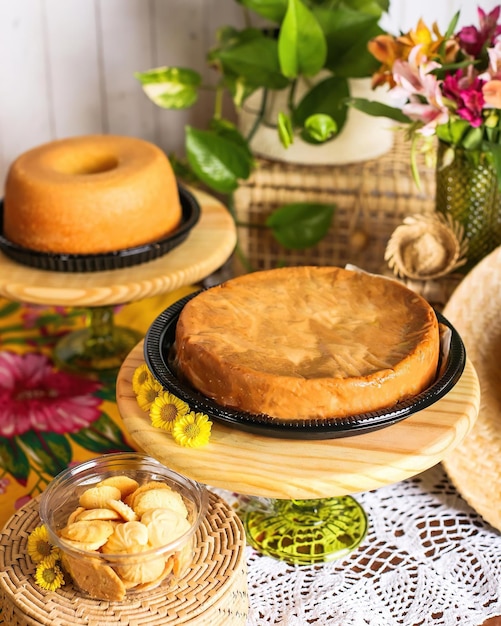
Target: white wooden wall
<point>66,66</point>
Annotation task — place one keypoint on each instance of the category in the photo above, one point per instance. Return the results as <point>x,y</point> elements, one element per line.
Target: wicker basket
<point>372,198</point>
<point>214,592</point>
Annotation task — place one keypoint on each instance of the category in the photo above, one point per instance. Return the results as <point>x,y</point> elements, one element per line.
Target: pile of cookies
<point>123,526</point>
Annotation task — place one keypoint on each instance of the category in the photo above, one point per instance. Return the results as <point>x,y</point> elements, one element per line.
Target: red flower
<point>33,396</point>
<point>472,40</point>
<point>466,92</point>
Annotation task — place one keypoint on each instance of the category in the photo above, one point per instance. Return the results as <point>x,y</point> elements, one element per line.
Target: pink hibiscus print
<point>34,396</point>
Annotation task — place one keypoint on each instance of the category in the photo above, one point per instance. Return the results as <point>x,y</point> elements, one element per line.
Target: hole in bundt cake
<point>81,165</point>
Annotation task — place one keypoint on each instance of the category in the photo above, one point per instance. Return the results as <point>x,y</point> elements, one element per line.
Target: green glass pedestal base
<point>307,531</point>
<point>98,348</point>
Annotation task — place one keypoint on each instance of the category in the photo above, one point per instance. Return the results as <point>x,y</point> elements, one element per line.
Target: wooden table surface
<point>208,246</point>
<point>286,468</point>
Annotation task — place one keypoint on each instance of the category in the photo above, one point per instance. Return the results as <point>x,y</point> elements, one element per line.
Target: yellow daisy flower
<point>39,546</point>
<point>48,574</point>
<point>166,409</point>
<point>141,375</point>
<point>147,393</point>
<point>192,430</point>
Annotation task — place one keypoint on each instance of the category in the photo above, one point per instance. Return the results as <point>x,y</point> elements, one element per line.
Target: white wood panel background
<point>66,66</point>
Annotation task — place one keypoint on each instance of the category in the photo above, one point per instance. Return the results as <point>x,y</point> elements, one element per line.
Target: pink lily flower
<point>494,69</point>
<point>422,90</point>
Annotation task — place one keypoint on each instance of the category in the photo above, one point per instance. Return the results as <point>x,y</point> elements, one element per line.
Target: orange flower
<point>492,93</point>
<point>387,49</point>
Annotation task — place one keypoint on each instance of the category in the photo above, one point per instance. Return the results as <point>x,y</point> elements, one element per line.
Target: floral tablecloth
<point>428,558</point>
<point>49,418</point>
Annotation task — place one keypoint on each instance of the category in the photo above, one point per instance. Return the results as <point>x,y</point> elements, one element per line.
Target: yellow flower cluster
<point>168,412</point>
<point>48,573</point>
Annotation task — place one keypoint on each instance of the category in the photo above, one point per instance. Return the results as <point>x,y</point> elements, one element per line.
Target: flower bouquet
<point>447,88</point>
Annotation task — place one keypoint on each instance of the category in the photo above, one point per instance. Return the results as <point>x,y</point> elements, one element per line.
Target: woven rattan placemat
<point>475,311</point>
<point>371,197</point>
<point>214,592</point>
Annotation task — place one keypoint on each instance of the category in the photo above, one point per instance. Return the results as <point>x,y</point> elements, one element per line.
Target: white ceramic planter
<point>363,137</point>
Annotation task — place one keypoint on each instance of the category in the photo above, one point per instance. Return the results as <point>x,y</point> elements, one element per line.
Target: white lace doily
<point>428,559</point>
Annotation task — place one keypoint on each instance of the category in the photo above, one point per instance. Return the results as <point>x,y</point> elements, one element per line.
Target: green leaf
<point>217,161</point>
<point>171,87</point>
<point>372,7</point>
<point>273,10</point>
<point>452,132</point>
<point>229,36</point>
<point>328,98</point>
<point>452,26</point>
<point>442,71</point>
<point>319,129</point>
<point>182,170</point>
<point>254,61</point>
<point>8,308</point>
<point>50,451</point>
<point>301,43</point>
<point>102,436</point>
<point>225,128</point>
<point>378,109</point>
<point>108,390</point>
<point>301,225</point>
<point>13,460</point>
<point>285,130</point>
<point>347,32</point>
<point>472,140</point>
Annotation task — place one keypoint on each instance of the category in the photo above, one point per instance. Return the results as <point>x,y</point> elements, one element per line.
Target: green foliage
<point>217,159</point>
<point>326,98</point>
<point>102,436</point>
<point>250,57</point>
<point>171,87</point>
<point>379,109</point>
<point>51,452</point>
<point>302,49</point>
<point>322,42</point>
<point>285,130</point>
<point>301,225</point>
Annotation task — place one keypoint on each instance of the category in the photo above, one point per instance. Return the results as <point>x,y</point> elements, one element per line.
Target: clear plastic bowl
<point>109,573</point>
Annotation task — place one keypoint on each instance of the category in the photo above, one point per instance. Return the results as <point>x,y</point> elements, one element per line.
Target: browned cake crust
<point>89,195</point>
<point>308,342</point>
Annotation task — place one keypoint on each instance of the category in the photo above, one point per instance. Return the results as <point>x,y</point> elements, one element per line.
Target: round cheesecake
<point>89,195</point>
<point>308,343</point>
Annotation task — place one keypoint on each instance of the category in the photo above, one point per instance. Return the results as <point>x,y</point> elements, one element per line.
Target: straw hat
<point>426,247</point>
<point>474,309</point>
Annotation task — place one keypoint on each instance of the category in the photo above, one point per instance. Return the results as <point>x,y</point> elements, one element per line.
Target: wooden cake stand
<point>311,478</point>
<point>102,346</point>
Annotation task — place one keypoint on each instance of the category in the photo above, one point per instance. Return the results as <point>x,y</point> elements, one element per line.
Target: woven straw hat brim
<point>474,309</point>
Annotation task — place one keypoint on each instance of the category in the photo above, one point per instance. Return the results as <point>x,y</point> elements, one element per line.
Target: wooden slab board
<point>286,468</point>
<point>208,246</point>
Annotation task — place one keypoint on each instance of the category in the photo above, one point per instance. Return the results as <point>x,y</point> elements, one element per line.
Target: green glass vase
<point>467,189</point>
<point>304,532</point>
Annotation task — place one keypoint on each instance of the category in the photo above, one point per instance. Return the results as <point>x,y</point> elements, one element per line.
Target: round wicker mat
<point>213,592</point>
<point>474,309</point>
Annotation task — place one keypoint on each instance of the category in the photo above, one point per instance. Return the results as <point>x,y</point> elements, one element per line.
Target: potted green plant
<point>310,47</point>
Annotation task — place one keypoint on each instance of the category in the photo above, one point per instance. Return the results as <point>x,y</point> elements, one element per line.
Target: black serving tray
<point>158,345</point>
<point>119,259</point>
